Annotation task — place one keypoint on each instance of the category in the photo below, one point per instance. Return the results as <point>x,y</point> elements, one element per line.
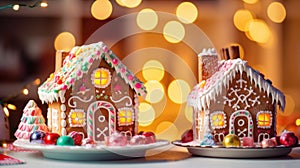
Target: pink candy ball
<point>138,140</point>
<point>116,139</point>
<point>247,142</point>
<point>268,143</point>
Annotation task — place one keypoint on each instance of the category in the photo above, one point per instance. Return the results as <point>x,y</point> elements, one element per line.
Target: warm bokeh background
<point>159,46</point>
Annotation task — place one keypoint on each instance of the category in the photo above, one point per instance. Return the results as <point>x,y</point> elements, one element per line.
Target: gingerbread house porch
<point>233,98</point>
<point>93,93</point>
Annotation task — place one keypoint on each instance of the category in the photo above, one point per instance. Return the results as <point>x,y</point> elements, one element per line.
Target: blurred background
<point>158,40</point>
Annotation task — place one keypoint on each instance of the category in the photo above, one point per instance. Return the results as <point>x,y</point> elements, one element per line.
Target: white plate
<point>240,152</point>
<point>99,152</point>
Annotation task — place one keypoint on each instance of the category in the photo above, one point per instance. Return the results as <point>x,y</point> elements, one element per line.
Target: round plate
<point>240,152</point>
<point>99,152</point>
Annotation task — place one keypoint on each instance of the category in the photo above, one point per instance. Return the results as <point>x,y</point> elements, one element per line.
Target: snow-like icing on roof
<point>77,63</point>
<point>201,95</point>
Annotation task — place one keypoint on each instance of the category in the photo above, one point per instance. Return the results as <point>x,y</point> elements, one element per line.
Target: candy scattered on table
<point>65,140</point>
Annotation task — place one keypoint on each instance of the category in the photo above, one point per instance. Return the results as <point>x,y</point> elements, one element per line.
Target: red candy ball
<point>51,138</point>
<point>77,137</point>
<point>187,136</point>
<point>288,138</point>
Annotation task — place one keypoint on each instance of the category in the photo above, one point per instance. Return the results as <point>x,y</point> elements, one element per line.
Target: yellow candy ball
<point>231,140</point>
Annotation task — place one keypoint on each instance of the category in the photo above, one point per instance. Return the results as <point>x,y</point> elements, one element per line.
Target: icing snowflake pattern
<point>239,96</point>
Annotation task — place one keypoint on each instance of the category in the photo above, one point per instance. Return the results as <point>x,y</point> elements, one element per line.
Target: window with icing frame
<point>218,119</point>
<point>101,77</point>
<point>77,118</point>
<point>125,116</point>
<point>264,119</point>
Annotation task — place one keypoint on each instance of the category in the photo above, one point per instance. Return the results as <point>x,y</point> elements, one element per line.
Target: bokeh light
<point>166,130</point>
<point>64,41</point>
<point>250,1</point>
<point>147,19</point>
<point>153,70</point>
<point>241,19</point>
<point>189,113</point>
<point>101,9</point>
<point>155,91</point>
<point>290,105</point>
<point>298,122</point>
<point>120,2</point>
<point>187,12</point>
<point>276,12</point>
<point>178,91</point>
<point>174,32</point>
<point>146,114</point>
<point>259,31</point>
<point>131,3</point>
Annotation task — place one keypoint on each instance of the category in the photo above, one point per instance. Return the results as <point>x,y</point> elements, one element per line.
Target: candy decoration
<point>187,136</point>
<point>138,140</point>
<point>37,137</point>
<point>231,140</point>
<point>51,138</point>
<point>149,137</point>
<point>116,139</point>
<point>247,142</point>
<point>87,142</point>
<point>65,140</point>
<point>77,137</point>
<point>268,143</point>
<point>288,138</point>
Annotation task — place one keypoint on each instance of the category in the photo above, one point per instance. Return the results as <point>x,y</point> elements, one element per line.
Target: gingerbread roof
<point>202,94</point>
<point>77,63</point>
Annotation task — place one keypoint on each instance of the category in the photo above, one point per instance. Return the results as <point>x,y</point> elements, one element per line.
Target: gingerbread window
<point>125,116</point>
<point>77,118</point>
<point>101,78</point>
<point>264,119</point>
<point>218,120</point>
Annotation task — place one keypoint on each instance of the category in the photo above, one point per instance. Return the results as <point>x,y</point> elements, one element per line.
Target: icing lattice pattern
<point>202,94</point>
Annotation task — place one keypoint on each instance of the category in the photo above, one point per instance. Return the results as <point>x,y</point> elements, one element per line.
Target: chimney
<point>59,58</point>
<point>207,63</point>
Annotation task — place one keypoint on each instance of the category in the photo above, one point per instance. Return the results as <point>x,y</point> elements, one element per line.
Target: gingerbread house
<point>233,98</point>
<point>93,93</point>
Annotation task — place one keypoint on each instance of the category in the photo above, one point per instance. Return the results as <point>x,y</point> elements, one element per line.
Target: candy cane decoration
<point>90,118</point>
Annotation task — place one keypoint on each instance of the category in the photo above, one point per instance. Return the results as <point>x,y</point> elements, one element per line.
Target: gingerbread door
<point>100,120</point>
<point>241,123</point>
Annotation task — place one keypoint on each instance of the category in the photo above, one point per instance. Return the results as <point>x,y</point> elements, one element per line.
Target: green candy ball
<point>65,140</point>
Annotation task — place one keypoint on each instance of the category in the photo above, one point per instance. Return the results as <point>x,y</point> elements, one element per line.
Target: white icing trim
<point>201,100</point>
<point>128,104</point>
<point>80,99</point>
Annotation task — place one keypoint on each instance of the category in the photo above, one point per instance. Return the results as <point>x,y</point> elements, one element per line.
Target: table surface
<point>173,157</point>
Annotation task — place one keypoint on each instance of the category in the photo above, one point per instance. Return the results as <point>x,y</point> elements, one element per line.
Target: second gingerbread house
<point>233,98</point>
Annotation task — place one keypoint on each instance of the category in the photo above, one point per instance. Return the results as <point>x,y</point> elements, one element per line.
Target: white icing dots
<point>63,107</point>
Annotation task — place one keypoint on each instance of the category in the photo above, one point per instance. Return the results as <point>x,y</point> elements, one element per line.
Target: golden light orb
<point>101,9</point>
<point>147,19</point>
<point>276,12</point>
<point>64,41</point>
<point>174,32</point>
<point>187,12</point>
<point>241,18</point>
